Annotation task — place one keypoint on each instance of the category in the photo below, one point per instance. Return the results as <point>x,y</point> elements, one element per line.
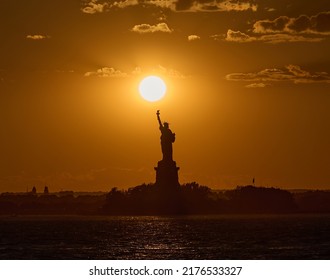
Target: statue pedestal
<point>167,175</point>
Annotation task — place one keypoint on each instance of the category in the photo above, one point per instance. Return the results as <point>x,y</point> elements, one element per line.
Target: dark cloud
<point>214,5</point>
<point>183,5</point>
<point>291,73</point>
<point>285,29</point>
<point>240,37</point>
<point>95,6</point>
<point>321,22</point>
<point>299,24</point>
<point>317,24</point>
<point>266,26</point>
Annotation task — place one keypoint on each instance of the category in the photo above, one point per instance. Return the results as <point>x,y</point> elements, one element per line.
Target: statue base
<point>167,175</point>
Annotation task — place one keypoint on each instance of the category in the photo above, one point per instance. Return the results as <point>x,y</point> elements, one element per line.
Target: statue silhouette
<point>167,178</point>
<point>166,139</point>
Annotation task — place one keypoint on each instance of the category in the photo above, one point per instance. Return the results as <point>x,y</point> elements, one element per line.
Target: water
<point>192,237</point>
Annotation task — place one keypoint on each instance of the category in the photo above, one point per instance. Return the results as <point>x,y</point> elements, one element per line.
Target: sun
<point>152,88</point>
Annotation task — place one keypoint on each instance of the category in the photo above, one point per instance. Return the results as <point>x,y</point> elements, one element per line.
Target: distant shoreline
<point>96,193</point>
<point>188,199</point>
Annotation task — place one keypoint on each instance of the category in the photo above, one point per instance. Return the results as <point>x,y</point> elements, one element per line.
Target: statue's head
<point>166,124</point>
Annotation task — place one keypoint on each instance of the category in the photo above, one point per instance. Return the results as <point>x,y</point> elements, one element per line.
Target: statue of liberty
<point>166,139</point>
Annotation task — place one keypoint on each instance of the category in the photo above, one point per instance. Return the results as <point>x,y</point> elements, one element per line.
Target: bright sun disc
<point>152,88</point>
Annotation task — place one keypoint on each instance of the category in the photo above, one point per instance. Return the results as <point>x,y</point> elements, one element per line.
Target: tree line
<point>148,199</point>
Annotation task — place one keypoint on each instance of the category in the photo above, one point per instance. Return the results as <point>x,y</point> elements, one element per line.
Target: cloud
<point>256,85</point>
<point>93,7</point>
<point>167,4</point>
<point>284,29</point>
<point>316,24</point>
<point>218,37</point>
<point>137,71</point>
<point>171,73</point>
<point>159,70</point>
<point>213,6</point>
<point>125,3</point>
<point>37,37</point>
<point>106,72</point>
<point>193,37</point>
<point>283,38</point>
<point>291,73</point>
<point>238,6</point>
<point>109,72</point>
<point>147,28</point>
<point>270,26</point>
<point>240,37</point>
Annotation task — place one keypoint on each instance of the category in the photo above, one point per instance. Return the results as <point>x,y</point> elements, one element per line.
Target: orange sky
<point>248,92</point>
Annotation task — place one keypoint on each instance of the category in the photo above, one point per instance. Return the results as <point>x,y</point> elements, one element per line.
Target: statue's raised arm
<point>158,118</point>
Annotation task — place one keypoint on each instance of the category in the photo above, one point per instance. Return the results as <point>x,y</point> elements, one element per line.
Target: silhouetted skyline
<point>152,199</point>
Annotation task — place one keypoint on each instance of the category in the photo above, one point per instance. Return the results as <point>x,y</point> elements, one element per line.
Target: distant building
<point>46,191</point>
<point>34,190</point>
